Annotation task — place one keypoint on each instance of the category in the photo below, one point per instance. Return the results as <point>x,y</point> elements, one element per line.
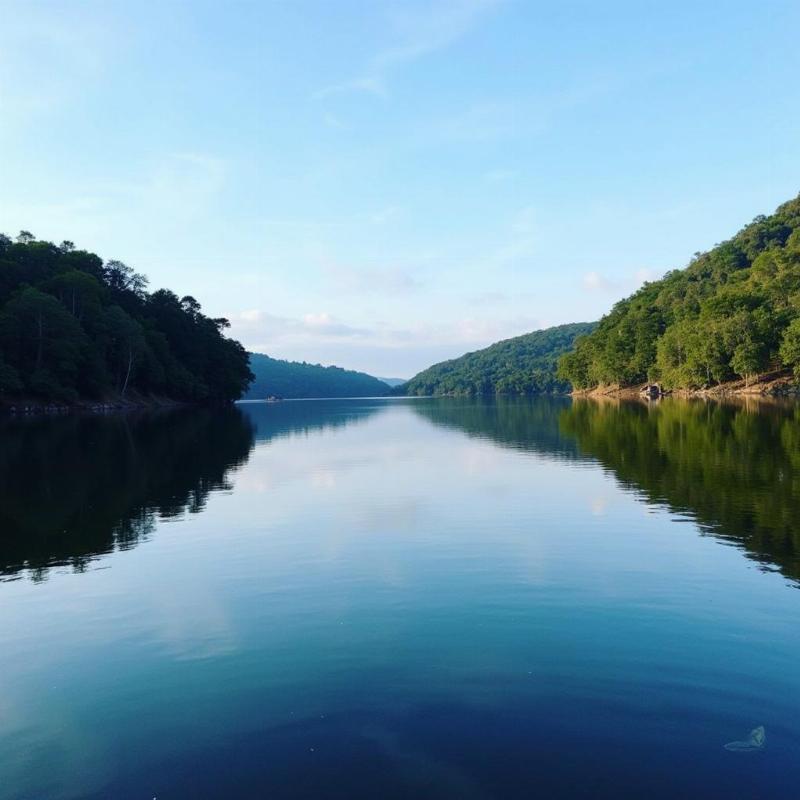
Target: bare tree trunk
<point>39,340</point>
<point>128,373</point>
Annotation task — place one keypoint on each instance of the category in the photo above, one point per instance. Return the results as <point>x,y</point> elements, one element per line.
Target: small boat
<point>274,399</point>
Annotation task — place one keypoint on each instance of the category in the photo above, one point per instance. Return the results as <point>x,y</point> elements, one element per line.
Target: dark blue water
<point>395,599</point>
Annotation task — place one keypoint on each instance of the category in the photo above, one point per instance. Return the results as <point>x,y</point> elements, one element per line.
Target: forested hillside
<point>519,366</point>
<point>293,379</point>
<point>734,312</point>
<point>73,327</point>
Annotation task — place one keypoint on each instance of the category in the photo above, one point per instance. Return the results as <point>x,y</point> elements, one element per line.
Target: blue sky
<point>384,185</point>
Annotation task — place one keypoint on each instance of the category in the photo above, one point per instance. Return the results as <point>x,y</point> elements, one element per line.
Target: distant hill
<point>393,381</point>
<point>520,366</point>
<point>734,312</point>
<point>294,379</point>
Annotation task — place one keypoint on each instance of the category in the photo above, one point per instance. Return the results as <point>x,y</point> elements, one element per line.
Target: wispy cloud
<point>268,330</point>
<point>384,280</point>
<point>183,183</point>
<point>419,31</point>
<point>483,121</point>
<point>646,275</point>
<point>500,175</point>
<point>597,282</point>
<point>46,60</point>
<point>334,122</point>
<point>255,324</point>
<point>521,240</point>
<point>489,298</point>
<point>368,85</point>
<point>373,347</point>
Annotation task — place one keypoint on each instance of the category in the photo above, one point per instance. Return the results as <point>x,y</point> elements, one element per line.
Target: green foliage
<point>726,315</point>
<point>790,347</point>
<point>292,379</point>
<point>524,365</point>
<point>73,327</point>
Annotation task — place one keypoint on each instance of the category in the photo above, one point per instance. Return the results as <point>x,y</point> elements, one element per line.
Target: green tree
<point>790,347</point>
<point>43,342</point>
<point>72,326</point>
<point>725,314</point>
<point>126,344</point>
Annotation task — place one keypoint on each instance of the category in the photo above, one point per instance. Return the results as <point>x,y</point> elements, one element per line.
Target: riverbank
<point>773,384</point>
<point>20,406</point>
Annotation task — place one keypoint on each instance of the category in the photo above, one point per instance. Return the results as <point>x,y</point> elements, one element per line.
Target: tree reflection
<point>518,423</point>
<point>73,488</point>
<point>735,467</point>
<point>301,417</point>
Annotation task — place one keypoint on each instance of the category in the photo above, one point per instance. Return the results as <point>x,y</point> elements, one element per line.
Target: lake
<point>402,598</point>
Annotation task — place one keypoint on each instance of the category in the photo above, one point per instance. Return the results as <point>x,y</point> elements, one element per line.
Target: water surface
<point>402,598</point>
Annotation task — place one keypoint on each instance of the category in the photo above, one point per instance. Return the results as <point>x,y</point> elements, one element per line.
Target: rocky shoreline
<point>770,385</point>
<point>32,407</point>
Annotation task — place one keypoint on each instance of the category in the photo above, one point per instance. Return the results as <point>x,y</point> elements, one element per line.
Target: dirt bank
<point>773,384</point>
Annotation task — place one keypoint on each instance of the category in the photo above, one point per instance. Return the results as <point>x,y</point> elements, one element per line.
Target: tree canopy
<point>524,365</point>
<point>74,327</point>
<point>293,379</point>
<point>734,312</point>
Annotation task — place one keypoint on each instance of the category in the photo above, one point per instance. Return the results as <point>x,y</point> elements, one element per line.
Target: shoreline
<point>21,407</point>
<point>769,385</point>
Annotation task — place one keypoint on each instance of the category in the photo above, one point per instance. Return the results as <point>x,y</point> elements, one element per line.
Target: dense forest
<point>523,365</point>
<point>734,312</point>
<point>74,327</point>
<point>292,379</point>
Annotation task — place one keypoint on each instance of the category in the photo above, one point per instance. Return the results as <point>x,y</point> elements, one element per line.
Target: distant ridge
<point>524,365</point>
<point>393,381</point>
<point>294,379</point>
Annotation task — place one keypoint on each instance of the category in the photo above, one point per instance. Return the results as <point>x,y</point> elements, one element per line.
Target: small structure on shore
<point>652,391</point>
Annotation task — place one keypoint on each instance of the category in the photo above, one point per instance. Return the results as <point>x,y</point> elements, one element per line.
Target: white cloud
<point>325,324</point>
<point>409,349</point>
<point>378,349</point>
<point>595,282</point>
<point>255,324</point>
<point>646,275</point>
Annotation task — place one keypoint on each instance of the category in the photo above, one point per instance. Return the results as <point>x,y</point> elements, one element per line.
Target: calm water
<point>395,599</point>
